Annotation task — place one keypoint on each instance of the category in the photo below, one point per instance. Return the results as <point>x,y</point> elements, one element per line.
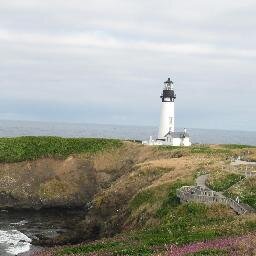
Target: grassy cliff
<point>32,148</point>
<point>131,190</point>
<point>38,172</point>
<point>143,208</point>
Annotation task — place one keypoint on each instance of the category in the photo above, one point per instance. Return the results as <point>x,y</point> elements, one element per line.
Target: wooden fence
<point>205,195</point>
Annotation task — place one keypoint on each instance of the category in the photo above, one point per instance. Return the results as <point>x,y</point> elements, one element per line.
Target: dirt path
<point>201,181</point>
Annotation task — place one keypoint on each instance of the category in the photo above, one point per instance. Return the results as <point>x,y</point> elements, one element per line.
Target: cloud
<point>116,54</point>
<point>109,42</point>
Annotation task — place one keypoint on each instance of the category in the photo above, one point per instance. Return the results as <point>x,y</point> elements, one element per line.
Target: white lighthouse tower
<point>166,133</point>
<point>167,110</point>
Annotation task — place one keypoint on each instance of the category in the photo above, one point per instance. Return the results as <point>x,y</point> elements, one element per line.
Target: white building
<point>167,134</point>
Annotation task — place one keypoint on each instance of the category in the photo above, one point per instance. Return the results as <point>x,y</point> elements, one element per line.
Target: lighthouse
<point>166,134</point>
<point>167,110</point>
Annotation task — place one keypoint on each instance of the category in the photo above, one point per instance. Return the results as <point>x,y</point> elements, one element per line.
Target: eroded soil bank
<point>70,182</point>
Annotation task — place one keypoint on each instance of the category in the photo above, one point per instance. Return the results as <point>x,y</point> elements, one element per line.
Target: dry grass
<point>137,191</point>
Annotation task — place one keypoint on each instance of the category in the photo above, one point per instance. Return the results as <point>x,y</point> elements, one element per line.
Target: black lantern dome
<point>168,92</point>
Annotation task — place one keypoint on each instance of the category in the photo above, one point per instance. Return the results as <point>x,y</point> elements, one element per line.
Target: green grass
<point>146,196</point>
<point>221,181</point>
<point>115,248</point>
<point>250,199</point>
<point>186,224</point>
<point>177,152</point>
<point>133,251</point>
<point>210,252</point>
<point>183,224</point>
<point>225,149</point>
<point>31,148</point>
<point>91,248</point>
<point>169,148</point>
<point>171,201</point>
<point>209,150</point>
<point>179,224</point>
<point>246,191</point>
<point>236,146</point>
<point>166,194</point>
<point>197,149</point>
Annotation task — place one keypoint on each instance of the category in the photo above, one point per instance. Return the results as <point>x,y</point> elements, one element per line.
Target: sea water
<point>203,136</point>
<point>13,242</point>
<point>18,228</point>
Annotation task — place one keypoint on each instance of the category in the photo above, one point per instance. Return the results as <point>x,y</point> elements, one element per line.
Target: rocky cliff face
<point>46,183</point>
<point>70,182</point>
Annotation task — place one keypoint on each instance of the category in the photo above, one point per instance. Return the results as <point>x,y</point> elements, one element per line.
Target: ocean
<point>18,228</point>
<point>202,136</point>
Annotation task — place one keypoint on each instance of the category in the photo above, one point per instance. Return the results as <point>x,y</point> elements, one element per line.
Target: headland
<point>129,194</point>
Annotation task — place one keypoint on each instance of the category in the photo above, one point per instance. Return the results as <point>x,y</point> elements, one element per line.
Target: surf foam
<point>14,241</point>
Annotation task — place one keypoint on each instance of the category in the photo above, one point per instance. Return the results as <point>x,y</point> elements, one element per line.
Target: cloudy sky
<point>104,61</point>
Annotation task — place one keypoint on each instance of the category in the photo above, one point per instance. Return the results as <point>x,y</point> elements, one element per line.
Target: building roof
<point>180,135</point>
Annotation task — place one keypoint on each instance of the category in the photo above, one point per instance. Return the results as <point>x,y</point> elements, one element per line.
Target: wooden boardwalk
<point>202,194</point>
<point>205,195</point>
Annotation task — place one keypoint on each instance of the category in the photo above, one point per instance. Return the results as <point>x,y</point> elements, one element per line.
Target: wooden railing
<point>204,195</point>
